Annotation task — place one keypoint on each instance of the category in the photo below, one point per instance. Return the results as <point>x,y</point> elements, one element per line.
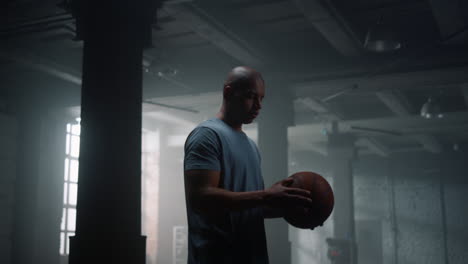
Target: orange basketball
<point>322,200</point>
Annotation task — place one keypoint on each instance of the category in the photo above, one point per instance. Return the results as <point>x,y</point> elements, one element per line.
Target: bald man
<point>226,199</point>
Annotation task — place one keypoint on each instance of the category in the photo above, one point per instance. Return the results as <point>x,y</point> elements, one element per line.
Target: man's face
<point>246,103</point>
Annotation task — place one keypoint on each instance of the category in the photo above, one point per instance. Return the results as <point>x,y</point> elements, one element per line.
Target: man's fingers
<point>298,191</point>
<point>301,200</point>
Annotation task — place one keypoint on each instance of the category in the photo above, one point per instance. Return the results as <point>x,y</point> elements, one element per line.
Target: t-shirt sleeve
<point>202,150</point>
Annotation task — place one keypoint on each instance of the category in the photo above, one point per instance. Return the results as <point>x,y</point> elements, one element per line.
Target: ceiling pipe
<point>171,106</point>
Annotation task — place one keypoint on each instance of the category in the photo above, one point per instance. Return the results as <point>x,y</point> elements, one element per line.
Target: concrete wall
<point>402,195</point>
<point>150,192</point>
<point>419,204</point>
<point>50,182</point>
<point>31,173</point>
<point>371,194</point>
<point>171,195</point>
<point>307,246</point>
<point>456,196</point>
<point>8,161</point>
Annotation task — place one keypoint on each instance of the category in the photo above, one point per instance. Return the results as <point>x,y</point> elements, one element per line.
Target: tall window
<point>70,188</point>
<point>150,191</point>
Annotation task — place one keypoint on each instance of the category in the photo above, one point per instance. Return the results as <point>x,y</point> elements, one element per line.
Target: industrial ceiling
<point>317,50</point>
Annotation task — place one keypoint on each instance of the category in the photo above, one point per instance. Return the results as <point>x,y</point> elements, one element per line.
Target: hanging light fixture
<point>381,38</point>
<point>431,109</point>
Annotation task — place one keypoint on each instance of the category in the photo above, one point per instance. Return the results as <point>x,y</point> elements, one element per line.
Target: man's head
<point>243,93</point>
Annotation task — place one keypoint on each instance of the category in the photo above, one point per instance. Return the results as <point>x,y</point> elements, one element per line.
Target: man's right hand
<point>280,195</point>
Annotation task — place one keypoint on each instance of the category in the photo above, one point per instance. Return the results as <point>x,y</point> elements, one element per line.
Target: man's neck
<point>225,118</point>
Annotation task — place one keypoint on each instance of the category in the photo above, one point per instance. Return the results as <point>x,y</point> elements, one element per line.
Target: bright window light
<point>70,187</point>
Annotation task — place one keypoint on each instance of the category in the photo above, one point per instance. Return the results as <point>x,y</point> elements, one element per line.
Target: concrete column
<point>341,152</point>
<point>273,122</point>
<point>108,223</point>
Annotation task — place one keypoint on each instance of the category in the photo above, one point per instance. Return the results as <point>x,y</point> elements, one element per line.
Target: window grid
<point>67,227</point>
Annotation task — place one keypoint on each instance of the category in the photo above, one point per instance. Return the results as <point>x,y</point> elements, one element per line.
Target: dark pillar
<point>108,224</point>
<point>342,152</point>
<point>273,123</point>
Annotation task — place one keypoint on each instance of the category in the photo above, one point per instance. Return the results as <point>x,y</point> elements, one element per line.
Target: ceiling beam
<point>322,109</point>
<point>319,147</point>
<point>60,71</point>
<point>396,102</point>
<point>169,117</point>
<point>429,143</point>
<point>400,105</point>
<point>209,28</point>
<point>374,146</point>
<point>331,25</point>
<point>312,104</point>
<point>404,81</point>
<point>41,64</point>
<point>449,17</point>
<point>453,122</point>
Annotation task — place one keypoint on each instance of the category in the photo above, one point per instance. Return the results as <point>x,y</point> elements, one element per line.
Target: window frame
<point>68,226</point>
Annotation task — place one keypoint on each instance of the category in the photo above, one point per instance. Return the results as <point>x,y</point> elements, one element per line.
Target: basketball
<point>322,201</point>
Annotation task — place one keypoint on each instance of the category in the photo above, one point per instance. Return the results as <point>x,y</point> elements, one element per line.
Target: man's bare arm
<point>205,195</point>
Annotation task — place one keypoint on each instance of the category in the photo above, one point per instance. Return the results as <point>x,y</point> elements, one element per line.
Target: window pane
<point>66,169</point>
<point>67,144</point>
<point>76,129</point>
<point>68,242</point>
<point>62,243</point>
<point>75,146</point>
<point>73,192</point>
<point>73,170</point>
<point>62,225</point>
<point>65,193</point>
<point>71,219</point>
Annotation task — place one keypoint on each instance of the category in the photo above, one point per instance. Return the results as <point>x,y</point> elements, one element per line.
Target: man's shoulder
<point>207,130</point>
<point>207,126</point>
<point>209,123</point>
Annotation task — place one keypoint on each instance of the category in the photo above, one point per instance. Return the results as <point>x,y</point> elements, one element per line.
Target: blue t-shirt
<point>232,236</point>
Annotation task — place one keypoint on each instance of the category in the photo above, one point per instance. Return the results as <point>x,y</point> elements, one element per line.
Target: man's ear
<point>227,92</point>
